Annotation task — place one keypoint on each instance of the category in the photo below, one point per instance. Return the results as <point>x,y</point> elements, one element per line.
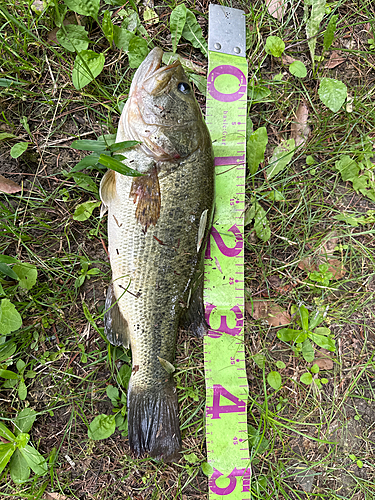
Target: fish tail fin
<point>153,424</point>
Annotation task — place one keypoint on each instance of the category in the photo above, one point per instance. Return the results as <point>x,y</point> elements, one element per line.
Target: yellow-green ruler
<point>224,353</point>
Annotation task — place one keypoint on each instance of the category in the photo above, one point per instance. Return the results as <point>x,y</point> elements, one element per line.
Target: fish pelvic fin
<point>193,318</point>
<point>107,190</point>
<point>153,424</point>
<point>145,191</point>
<point>116,327</point>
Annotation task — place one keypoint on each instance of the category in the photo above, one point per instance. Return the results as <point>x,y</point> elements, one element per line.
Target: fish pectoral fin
<point>107,190</point>
<point>145,191</point>
<point>116,327</point>
<point>193,318</point>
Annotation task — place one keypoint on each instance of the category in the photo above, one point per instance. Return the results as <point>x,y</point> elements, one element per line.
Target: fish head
<point>162,112</point>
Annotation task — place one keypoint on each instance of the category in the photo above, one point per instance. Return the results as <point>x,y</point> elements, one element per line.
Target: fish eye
<point>184,88</point>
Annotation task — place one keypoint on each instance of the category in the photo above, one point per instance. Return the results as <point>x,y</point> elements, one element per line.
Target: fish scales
<point>157,227</point>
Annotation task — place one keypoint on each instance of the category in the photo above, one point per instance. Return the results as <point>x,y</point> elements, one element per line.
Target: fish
<point>158,225</point>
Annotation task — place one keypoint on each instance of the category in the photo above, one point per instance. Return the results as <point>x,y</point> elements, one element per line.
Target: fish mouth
<point>151,74</point>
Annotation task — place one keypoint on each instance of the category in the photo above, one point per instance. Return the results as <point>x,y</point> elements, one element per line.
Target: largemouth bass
<point>157,227</point>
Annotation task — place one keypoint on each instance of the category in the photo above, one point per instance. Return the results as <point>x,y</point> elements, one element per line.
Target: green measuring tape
<point>224,353</point>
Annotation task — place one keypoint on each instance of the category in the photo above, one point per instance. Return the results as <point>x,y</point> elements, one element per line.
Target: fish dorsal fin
<point>116,327</point>
<point>107,190</point>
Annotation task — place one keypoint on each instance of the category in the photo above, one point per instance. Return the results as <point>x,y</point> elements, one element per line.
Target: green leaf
<point>113,394</point>
<point>255,148</point>
<point>18,149</point>
<point>306,378</point>
<point>200,82</point>
<point>107,27</point>
<point>323,341</point>
<point>10,319</point>
<point>191,458</point>
<point>85,210</point>
<point>123,376</point>
<point>102,427</point>
<point>298,69</point>
<point>310,160</point>
<point>7,82</point>
<point>260,360</point>
<point>8,271</point>
<point>5,433</point>
<point>308,351</point>
<point>257,93</point>
<point>275,46</point>
<point>87,66</point>
<point>313,24</point>
<point>89,145</point>
<point>9,375</point>
<point>193,33</point>
<point>19,470</point>
<point>256,440</point>
<point>27,274</point>
<point>315,320</point>
<point>177,23</point>
<point>7,350</point>
<point>84,7</point>
<point>6,451</point>
<point>280,365</point>
<point>274,379</point>
<point>118,166</point>
<point>6,135</point>
<point>347,167</point>
<point>329,33</point>
<point>24,420</point>
<point>304,315</point>
<point>288,334</point>
<point>34,460</point>
<point>323,331</point>
<point>137,51</point>
<point>87,161</point>
<point>122,37</point>
<point>332,93</point>
<point>22,390</point>
<point>84,181</point>
<point>282,155</point>
<point>22,439</point>
<point>352,221</point>
<point>314,368</point>
<point>207,469</point>
<point>261,224</point>
<point>150,16</point>
<point>73,38</point>
<point>122,146</point>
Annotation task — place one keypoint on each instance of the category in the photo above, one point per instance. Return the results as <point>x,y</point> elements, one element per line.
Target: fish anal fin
<point>116,327</point>
<point>146,193</point>
<point>193,318</point>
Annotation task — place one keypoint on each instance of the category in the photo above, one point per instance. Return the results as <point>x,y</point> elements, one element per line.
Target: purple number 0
<point>226,69</point>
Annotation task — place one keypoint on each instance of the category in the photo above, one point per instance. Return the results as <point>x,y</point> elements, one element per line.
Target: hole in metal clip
<point>217,46</point>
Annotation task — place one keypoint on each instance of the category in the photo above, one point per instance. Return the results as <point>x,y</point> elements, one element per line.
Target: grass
<point>298,430</point>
